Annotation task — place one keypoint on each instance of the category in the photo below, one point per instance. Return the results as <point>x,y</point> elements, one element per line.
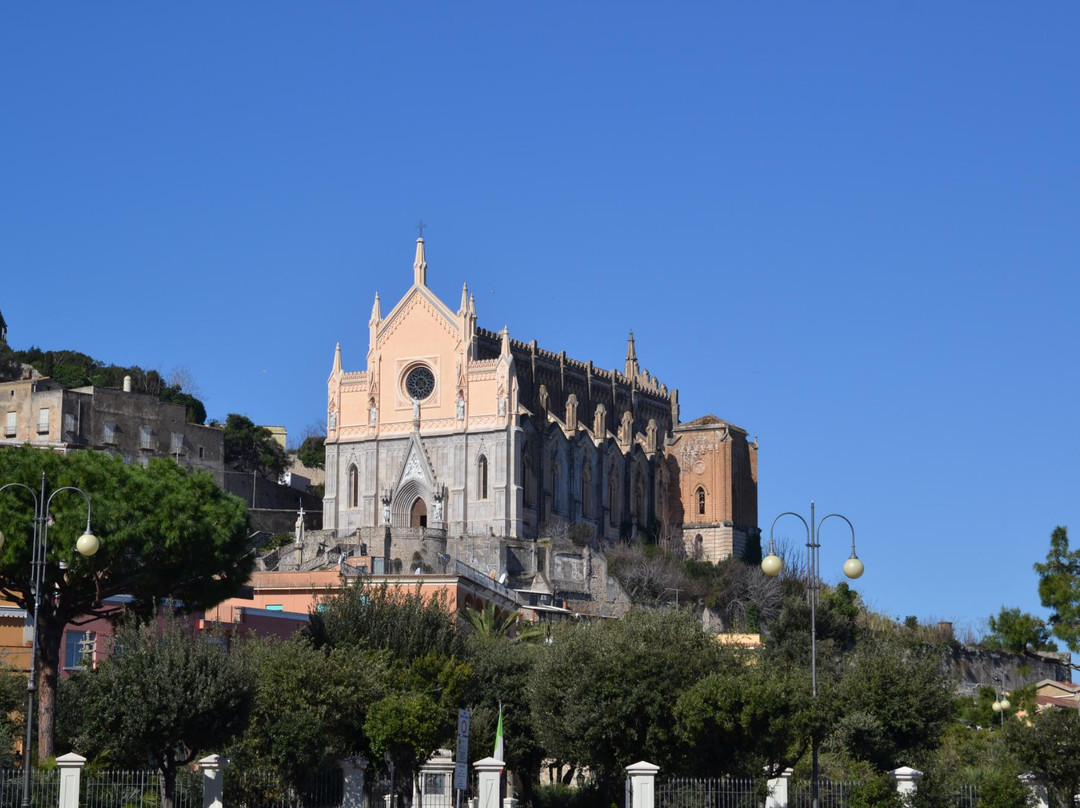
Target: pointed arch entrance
<point>418,513</point>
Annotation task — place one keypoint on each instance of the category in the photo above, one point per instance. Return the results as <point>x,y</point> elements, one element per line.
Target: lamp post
<point>86,545</point>
<point>1001,702</point>
<point>772,565</point>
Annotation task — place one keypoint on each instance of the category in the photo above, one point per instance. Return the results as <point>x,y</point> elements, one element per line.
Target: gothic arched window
<point>586,492</point>
<point>529,481</point>
<point>613,499</point>
<point>556,486</point>
<point>354,486</point>
<point>482,478</point>
<point>701,501</point>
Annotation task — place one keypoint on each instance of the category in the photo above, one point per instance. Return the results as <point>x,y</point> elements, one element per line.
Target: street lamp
<point>86,545</point>
<point>1001,702</point>
<point>772,565</point>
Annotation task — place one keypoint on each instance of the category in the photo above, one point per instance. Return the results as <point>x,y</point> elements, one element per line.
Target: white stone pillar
<point>213,787</point>
<point>490,771</point>
<point>441,763</point>
<point>778,791</point>
<point>907,780</point>
<point>642,784</point>
<point>70,766</point>
<point>1036,789</point>
<point>509,802</point>
<point>352,772</point>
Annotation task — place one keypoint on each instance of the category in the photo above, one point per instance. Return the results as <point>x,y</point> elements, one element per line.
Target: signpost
<point>461,759</point>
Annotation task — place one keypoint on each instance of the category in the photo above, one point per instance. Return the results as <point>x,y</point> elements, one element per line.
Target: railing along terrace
<point>722,792</point>
<point>486,580</point>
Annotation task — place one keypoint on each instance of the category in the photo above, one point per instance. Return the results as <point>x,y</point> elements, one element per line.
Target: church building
<point>453,432</point>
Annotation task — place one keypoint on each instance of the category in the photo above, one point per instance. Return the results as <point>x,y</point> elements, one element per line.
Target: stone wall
<point>974,667</point>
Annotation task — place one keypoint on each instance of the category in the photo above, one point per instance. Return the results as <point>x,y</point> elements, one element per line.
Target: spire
<point>631,357</point>
<point>337,359</point>
<point>376,316</point>
<point>505,348</point>
<point>464,298</point>
<point>472,305</point>
<point>420,264</point>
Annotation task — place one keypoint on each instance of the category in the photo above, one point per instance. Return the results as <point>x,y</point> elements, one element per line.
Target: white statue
<point>300,526</point>
<point>461,409</point>
<point>502,405</point>
<point>438,509</point>
<point>374,415</point>
<point>386,513</point>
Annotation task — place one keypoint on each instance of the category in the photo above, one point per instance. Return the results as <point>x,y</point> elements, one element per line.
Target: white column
<point>213,788</point>
<point>1037,790</point>
<point>352,771</point>
<point>490,788</point>
<point>642,784</point>
<point>70,766</point>
<point>442,762</point>
<point>907,780</point>
<point>778,791</point>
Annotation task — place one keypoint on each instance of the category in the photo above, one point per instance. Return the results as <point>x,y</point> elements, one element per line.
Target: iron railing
<point>44,788</point>
<point>143,788</point>
<point>831,793</point>
<point>269,790</point>
<point>721,792</point>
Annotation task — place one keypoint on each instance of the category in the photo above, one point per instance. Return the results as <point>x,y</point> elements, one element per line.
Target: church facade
<point>455,431</point>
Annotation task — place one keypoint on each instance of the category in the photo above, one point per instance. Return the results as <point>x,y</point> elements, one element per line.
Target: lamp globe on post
<point>772,564</point>
<point>88,543</point>
<point>853,567</point>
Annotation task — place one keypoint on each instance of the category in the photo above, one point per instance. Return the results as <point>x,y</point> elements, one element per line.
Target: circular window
<point>420,383</point>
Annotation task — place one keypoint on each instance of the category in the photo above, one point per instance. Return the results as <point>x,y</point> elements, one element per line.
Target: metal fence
<point>269,790</point>
<point>44,788</point>
<point>967,796</point>
<point>143,788</point>
<point>722,792</point>
<point>831,793</point>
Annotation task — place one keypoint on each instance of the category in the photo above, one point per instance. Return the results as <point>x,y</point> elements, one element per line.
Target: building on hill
<point>41,412</point>
<point>468,442</point>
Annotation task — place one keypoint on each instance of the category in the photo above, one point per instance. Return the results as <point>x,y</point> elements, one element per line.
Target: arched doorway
<point>418,513</point>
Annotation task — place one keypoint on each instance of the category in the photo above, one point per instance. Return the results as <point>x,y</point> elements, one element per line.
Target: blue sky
<point>850,228</point>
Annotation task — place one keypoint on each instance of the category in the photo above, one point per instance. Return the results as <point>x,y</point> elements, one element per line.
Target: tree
<point>1059,588</point>
<point>428,677</point>
<point>894,701</point>
<point>163,533</point>
<point>167,693</point>
<point>312,452</point>
<point>252,448</point>
<point>310,707</point>
<point>1050,747</point>
<point>601,693</point>
<point>490,622</point>
<point>1018,632</point>
<point>380,618</point>
<point>745,718</point>
<point>501,673</point>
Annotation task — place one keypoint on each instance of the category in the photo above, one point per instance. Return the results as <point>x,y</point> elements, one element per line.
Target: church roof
<point>706,420</point>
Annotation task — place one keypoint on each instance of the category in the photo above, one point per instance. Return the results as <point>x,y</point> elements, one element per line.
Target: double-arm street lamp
<point>87,545</point>
<point>772,565</point>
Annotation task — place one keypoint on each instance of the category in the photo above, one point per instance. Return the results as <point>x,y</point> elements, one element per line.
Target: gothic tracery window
<point>701,501</point>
